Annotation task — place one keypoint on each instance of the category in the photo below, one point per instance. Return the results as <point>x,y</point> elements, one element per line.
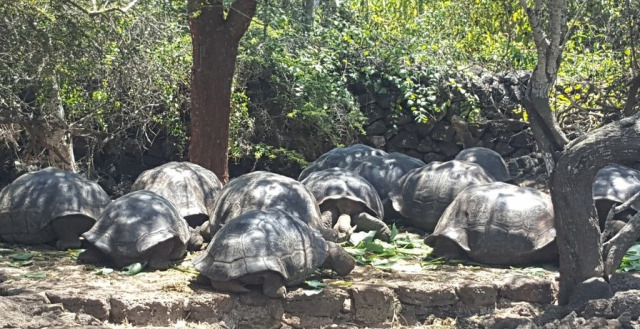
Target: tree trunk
<point>308,9</point>
<point>549,44</point>
<point>58,140</point>
<point>578,231</point>
<point>215,40</point>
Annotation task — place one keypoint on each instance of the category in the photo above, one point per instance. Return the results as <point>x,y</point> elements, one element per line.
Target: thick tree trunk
<point>215,40</point>
<point>578,232</point>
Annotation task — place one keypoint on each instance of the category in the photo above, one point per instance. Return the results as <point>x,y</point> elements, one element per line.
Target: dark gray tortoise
<point>490,160</point>
<point>497,223</point>
<point>346,199</point>
<point>422,195</point>
<point>382,171</point>
<point>263,190</point>
<point>192,189</point>
<point>612,186</point>
<point>139,227</point>
<point>340,157</point>
<point>271,248</point>
<point>50,205</point>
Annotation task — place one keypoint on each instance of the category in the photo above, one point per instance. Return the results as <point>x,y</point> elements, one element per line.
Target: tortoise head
<point>338,259</point>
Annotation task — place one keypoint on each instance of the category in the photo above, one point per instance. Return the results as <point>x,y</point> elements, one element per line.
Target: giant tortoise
<point>264,190</point>
<point>192,189</point>
<point>382,171</point>
<point>422,195</point>
<point>613,185</point>
<point>139,227</point>
<point>497,223</point>
<point>50,205</point>
<point>271,248</point>
<point>490,160</point>
<point>341,157</point>
<point>347,199</point>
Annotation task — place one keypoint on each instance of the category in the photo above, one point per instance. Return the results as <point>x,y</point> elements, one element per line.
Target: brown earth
<point>54,291</point>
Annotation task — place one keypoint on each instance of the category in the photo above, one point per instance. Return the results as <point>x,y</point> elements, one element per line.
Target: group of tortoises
<point>267,229</point>
<point>466,205</point>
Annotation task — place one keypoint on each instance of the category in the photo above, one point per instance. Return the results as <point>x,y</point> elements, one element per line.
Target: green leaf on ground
<point>103,271</point>
<point>393,254</point>
<point>133,269</point>
<point>21,263</point>
<point>22,256</point>
<point>36,275</point>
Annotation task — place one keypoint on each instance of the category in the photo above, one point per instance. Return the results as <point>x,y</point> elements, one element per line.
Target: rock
<point>626,302</point>
<point>378,127</point>
<point>442,131</point>
<point>448,149</point>
<point>521,139</point>
<point>504,149</point>
<point>209,308</point>
<point>405,139</point>
<point>592,288</point>
<point>146,310</point>
<point>427,296</point>
<point>328,303</point>
<point>423,129</point>
<point>372,304</point>
<point>377,141</point>
<point>95,305</point>
<point>526,289</point>
<point>478,294</point>
<point>426,145</point>
<point>432,156</point>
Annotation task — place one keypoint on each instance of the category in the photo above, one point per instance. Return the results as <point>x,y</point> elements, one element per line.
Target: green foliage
<point>295,82</point>
<point>386,255</point>
<point>631,260</point>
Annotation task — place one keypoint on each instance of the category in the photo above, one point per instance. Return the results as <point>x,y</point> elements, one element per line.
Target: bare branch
<point>95,12</point>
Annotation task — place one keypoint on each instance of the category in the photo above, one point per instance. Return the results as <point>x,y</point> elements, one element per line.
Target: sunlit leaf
<point>103,271</point>
<point>133,269</point>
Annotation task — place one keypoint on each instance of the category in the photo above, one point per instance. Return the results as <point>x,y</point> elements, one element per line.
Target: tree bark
<point>215,39</point>
<point>549,137</point>
<point>632,95</point>
<point>578,231</point>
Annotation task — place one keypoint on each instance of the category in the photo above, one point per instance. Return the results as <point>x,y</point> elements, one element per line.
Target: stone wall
<point>498,127</point>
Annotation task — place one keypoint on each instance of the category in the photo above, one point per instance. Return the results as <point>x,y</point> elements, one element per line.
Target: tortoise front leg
<point>273,285</point>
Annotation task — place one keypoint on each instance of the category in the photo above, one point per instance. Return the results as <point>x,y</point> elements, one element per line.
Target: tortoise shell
<point>338,183</point>
<point>422,195</point>
<point>261,190</point>
<point>31,202</point>
<point>263,240</point>
<point>490,160</point>
<point>382,170</point>
<point>615,184</point>
<point>497,223</point>
<point>135,223</point>
<point>340,157</point>
<point>192,189</point>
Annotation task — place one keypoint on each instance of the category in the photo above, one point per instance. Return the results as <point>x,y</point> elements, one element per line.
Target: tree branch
<point>631,101</point>
<point>239,18</point>
<point>95,12</point>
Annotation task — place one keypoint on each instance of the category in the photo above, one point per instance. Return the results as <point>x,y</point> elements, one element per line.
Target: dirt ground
<point>51,290</point>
